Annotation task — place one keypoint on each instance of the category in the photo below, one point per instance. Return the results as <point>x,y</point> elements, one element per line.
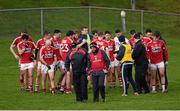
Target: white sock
<point>153,88</point>
<point>163,87</point>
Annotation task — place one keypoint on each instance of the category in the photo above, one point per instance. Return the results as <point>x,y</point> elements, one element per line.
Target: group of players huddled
<point>49,53</point>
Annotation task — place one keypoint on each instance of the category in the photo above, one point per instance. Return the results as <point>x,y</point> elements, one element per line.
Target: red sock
<point>21,80</point>
<point>44,90</point>
<point>52,89</point>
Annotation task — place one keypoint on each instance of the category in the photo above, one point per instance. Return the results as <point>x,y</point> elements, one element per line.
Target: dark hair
<point>148,30</point>
<point>100,33</point>
<point>77,32</point>
<point>107,32</point>
<point>46,33</point>
<point>70,33</point>
<point>137,35</point>
<point>57,31</point>
<point>83,27</point>
<point>157,33</point>
<point>25,37</point>
<point>24,31</point>
<point>94,31</point>
<point>117,30</point>
<point>132,31</point>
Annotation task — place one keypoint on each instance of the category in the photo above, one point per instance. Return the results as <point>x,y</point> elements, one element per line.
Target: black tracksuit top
<point>78,59</point>
<point>139,53</point>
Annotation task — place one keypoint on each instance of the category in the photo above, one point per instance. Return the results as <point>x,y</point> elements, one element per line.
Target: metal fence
<point>36,20</point>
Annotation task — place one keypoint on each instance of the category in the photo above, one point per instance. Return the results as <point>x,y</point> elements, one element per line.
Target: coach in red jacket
<point>98,65</point>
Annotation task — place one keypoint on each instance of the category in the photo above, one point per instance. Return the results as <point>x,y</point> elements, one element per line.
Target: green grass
<point>12,98</point>
<point>65,19</point>
<point>157,5</point>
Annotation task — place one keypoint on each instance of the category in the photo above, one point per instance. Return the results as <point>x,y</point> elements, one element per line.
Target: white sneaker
<point>164,91</point>
<point>136,94</point>
<point>124,95</point>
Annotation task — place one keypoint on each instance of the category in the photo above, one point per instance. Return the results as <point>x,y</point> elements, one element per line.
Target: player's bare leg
<point>30,79</point>
<point>158,80</point>
<point>44,76</point>
<point>61,77</point>
<point>21,79</point>
<point>113,77</point>
<point>37,80</point>
<point>51,78</point>
<point>162,78</point>
<point>68,82</point>
<point>63,84</point>
<point>153,80</point>
<point>25,74</point>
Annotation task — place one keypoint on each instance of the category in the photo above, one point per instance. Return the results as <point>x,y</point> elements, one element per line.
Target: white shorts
<point>45,70</point>
<point>39,65</point>
<point>116,62</point>
<point>26,66</point>
<point>155,66</point>
<point>61,64</point>
<point>112,63</point>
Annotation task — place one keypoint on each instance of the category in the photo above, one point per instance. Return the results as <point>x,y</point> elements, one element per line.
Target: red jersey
<point>19,39</point>
<point>157,52</point>
<point>146,40</point>
<point>40,43</point>
<point>96,61</point>
<point>66,46</point>
<point>111,49</point>
<point>132,42</point>
<point>25,56</point>
<point>102,44</point>
<point>75,39</point>
<point>94,39</point>
<point>56,43</point>
<point>48,54</point>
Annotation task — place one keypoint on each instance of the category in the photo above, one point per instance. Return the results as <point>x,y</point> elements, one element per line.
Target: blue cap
<point>121,38</point>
